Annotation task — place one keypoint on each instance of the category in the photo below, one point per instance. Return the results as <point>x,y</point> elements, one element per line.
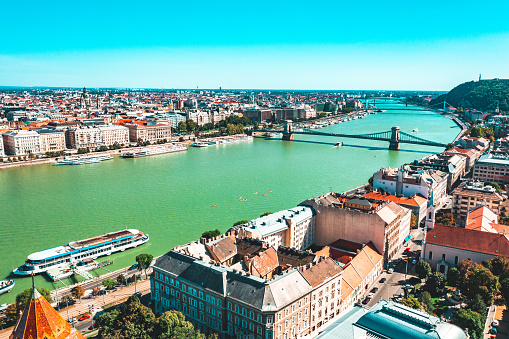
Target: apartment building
<point>492,167</point>
<point>258,114</point>
<point>84,137</point>
<point>300,112</point>
<point>360,220</point>
<point>2,152</point>
<point>21,142</point>
<point>151,133</point>
<point>114,134</point>
<point>452,164</point>
<point>292,228</point>
<point>430,184</point>
<point>471,194</point>
<point>416,203</point>
<point>51,140</point>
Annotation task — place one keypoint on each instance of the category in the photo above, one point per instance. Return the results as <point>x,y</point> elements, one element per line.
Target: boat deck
<point>100,239</point>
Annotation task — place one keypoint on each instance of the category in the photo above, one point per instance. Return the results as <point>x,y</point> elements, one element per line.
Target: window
<point>269,319</point>
<point>430,255</point>
<point>456,260</point>
<point>443,256</point>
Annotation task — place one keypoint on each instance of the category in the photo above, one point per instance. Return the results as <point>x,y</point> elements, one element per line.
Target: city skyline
<point>330,46</point>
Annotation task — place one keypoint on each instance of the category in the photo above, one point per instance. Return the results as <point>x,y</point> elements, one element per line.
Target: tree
<point>435,284</point>
<point>265,214</point>
<point>446,220</point>
<point>144,260</point>
<point>210,234</point>
<point>477,304</point>
<point>95,290</point>
<point>466,318</point>
<point>2,323</point>
<point>172,324</point>
<point>453,277</point>
<point>191,125</point>
<point>504,289</point>
<point>422,269</point>
<point>12,312</point>
<point>500,266</point>
<point>24,297</point>
<point>109,283</point>
<point>425,299</point>
<point>411,302</point>
<point>480,281</point>
<point>78,292</point>
<point>413,221</point>
<point>182,126</point>
<point>121,279</point>
<point>240,222</point>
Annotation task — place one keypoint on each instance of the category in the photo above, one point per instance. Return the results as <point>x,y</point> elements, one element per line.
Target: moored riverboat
<point>6,286</point>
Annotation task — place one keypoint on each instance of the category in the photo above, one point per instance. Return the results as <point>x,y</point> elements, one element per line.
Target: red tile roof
<point>470,240</point>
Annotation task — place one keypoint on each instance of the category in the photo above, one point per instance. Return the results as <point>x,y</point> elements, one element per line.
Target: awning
<point>408,237</point>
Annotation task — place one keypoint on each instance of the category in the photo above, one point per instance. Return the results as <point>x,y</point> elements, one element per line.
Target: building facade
<point>22,142</point>
<point>51,140</point>
<point>151,133</point>
<point>491,167</point>
<point>84,137</point>
<point>114,134</point>
<point>471,194</point>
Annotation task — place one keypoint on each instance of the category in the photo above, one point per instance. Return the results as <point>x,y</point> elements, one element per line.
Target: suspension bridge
<point>395,137</point>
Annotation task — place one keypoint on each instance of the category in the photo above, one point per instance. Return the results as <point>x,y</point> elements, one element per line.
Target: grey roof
<point>392,321</point>
<point>254,291</point>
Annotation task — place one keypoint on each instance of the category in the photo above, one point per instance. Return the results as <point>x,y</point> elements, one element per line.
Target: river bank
<point>171,196</point>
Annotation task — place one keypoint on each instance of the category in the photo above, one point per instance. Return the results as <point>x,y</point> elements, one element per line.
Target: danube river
<point>170,196</point>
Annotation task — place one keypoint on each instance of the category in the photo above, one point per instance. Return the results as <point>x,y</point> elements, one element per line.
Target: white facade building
<point>21,142</point>
<point>291,228</point>
<point>112,134</point>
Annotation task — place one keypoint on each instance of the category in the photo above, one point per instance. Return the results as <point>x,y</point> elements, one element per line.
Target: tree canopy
<point>211,234</point>
<point>144,260</point>
<point>422,268</point>
<point>466,318</point>
<point>24,297</point>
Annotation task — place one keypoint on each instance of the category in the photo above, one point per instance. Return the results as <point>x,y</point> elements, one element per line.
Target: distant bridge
<point>394,136</point>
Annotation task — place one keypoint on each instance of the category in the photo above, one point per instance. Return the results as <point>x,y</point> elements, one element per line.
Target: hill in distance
<point>481,95</point>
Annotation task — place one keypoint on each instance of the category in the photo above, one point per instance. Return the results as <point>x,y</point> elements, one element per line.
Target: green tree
<point>446,220</point>
<point>24,297</point>
<point>109,283</point>
<point>480,281</point>
<point>422,269</point>
<point>425,299</point>
<point>191,125</point>
<point>2,323</point>
<point>504,289</point>
<point>477,304</point>
<point>466,318</point>
<point>210,234</point>
<point>453,277</point>
<point>144,260</point>
<point>240,222</point>
<point>12,312</point>
<point>411,302</point>
<point>500,266</point>
<point>435,284</point>
<point>121,279</point>
<point>77,292</point>
<point>182,126</point>
<point>265,214</point>
<point>172,324</point>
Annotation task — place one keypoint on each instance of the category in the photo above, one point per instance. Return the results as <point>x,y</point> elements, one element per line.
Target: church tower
<point>41,321</point>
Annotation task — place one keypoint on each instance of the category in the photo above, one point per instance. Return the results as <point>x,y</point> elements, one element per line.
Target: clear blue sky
<point>428,45</point>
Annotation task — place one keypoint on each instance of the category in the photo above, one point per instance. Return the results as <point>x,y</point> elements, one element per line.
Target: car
<point>371,295</point>
<point>390,270</point>
<point>366,300</point>
<point>73,321</point>
<point>93,326</point>
<point>494,323</point>
<point>493,330</point>
<point>414,261</point>
<point>133,267</point>
<point>383,280</point>
<point>374,290</point>
<point>84,317</point>
<point>137,294</point>
<point>102,292</point>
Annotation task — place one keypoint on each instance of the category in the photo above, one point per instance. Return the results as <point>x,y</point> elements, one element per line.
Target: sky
<point>325,45</point>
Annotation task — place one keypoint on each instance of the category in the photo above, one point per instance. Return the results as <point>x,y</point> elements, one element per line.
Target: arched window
<point>430,255</point>
<point>456,259</point>
<point>443,256</point>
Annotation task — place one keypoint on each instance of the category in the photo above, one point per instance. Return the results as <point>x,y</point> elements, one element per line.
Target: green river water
<point>170,196</point>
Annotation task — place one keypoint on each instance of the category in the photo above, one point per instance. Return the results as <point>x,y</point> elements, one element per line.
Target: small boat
<point>6,286</point>
<point>214,205</point>
<point>264,193</point>
<point>415,130</point>
<point>270,191</point>
<point>255,193</point>
<point>339,144</point>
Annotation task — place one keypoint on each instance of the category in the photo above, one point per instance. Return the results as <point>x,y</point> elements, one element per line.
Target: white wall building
<point>21,142</point>
<point>112,134</point>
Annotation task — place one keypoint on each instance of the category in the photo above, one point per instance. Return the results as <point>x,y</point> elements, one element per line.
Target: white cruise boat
<point>6,286</point>
<point>76,251</point>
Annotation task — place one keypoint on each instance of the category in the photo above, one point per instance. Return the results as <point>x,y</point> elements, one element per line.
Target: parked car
<point>390,270</point>
<point>493,330</point>
<point>133,267</point>
<point>383,280</point>
<point>366,300</point>
<point>371,295</point>
<point>374,290</point>
<point>137,294</point>
<point>494,323</point>
<point>84,317</point>
<point>73,321</point>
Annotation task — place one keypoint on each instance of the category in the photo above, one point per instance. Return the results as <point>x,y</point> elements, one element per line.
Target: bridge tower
<point>287,133</point>
<point>394,143</point>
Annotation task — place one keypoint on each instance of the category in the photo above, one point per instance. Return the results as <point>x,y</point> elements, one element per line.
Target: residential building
<point>2,152</point>
<point>51,140</point>
<point>84,137</point>
<point>430,184</point>
<point>258,114</point>
<point>21,142</point>
<point>444,246</point>
<point>468,142</point>
<point>151,133</point>
<point>471,194</point>
<point>40,320</point>
<point>300,112</point>
<point>292,228</point>
<point>114,134</point>
<point>360,220</point>
<point>452,164</point>
<point>492,167</point>
<point>390,320</point>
